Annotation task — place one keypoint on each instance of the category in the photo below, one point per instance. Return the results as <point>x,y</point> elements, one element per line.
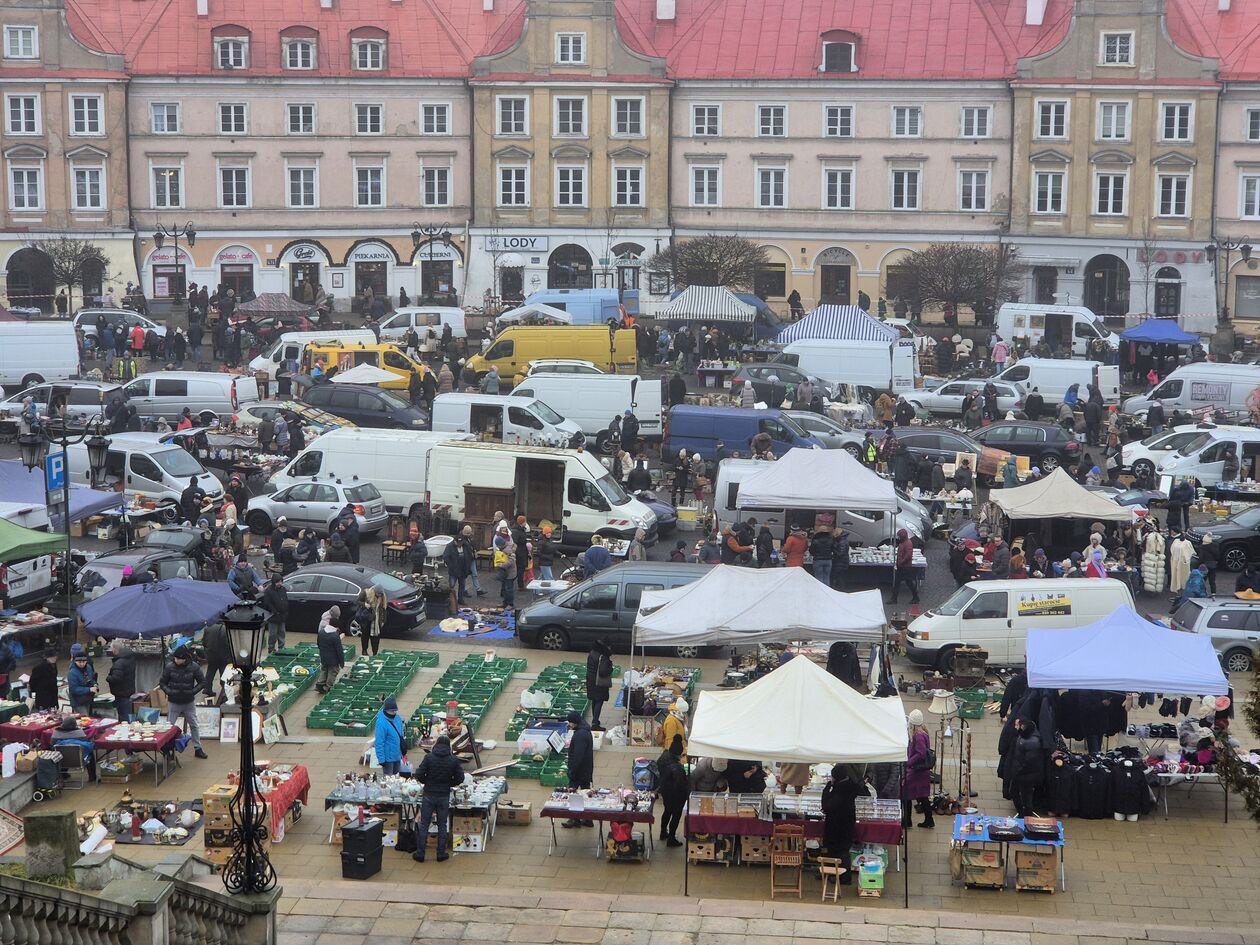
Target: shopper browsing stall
<point>918,784</point>
<point>440,771</point>
<point>672,789</point>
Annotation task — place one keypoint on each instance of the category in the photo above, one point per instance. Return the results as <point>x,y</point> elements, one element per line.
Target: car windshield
<point>792,425</point>
<point>1247,518</point>
<point>179,462</point>
<point>957,601</point>
<point>364,493</point>
<point>392,585</point>
<point>394,401</point>
<point>612,490</point>
<point>1196,444</point>
<point>165,538</point>
<point>1187,614</point>
<point>1156,438</point>
<point>545,413</point>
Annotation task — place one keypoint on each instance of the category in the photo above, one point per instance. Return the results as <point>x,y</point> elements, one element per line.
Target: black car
<point>772,380</point>
<point>1047,445</point>
<point>107,570</point>
<point>315,588</point>
<point>1237,538</point>
<point>175,538</point>
<point>367,406</point>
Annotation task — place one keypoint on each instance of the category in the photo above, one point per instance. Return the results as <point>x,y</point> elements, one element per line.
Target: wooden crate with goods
<point>1035,868</point>
<point>516,813</point>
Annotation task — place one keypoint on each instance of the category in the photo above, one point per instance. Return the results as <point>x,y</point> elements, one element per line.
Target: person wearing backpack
<point>920,760</point>
<point>673,790</point>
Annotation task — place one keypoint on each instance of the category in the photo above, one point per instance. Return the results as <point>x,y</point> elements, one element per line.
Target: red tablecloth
<point>153,745</point>
<point>41,734</point>
<point>624,816</point>
<point>297,788</point>
<point>868,831</point>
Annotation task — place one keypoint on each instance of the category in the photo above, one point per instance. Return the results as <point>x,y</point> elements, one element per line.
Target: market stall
<point>364,373</point>
<point>156,609</point>
<point>981,846</point>
<point>837,322</point>
<point>1057,495</point>
<point>152,740</point>
<point>19,484</point>
<point>535,313</point>
<point>234,451</point>
<point>603,806</point>
<point>36,729</point>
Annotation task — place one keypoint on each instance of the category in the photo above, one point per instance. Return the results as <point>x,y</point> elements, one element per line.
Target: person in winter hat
<point>391,740</point>
<point>182,682</point>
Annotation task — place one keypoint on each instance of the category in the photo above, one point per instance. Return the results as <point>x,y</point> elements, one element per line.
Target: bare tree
<point>73,261</point>
<point>976,275</point>
<point>1147,261</point>
<point>731,261</point>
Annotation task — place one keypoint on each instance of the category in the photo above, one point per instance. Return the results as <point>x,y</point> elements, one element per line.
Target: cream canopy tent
<point>817,479</point>
<point>799,713</point>
<point>1058,495</point>
<point>363,374</point>
<point>733,605</point>
<point>535,312</point>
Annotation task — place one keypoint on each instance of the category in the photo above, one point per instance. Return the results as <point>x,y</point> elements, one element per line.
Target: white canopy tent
<point>1127,653</point>
<point>799,713</point>
<point>733,605</point>
<point>363,374</point>
<point>706,303</point>
<point>535,313</point>
<point>817,479</point>
<point>1058,495</point>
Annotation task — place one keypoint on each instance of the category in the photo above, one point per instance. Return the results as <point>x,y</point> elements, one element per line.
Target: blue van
<point>698,430</point>
<point>586,306</point>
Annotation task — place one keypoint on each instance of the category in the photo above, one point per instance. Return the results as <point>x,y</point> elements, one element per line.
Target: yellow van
<point>517,345</point>
<point>385,356</point>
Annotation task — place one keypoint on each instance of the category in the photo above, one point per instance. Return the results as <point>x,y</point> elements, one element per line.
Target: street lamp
<point>248,869</point>
<point>189,232</point>
<point>1210,250</point>
<point>33,449</point>
<point>433,234</point>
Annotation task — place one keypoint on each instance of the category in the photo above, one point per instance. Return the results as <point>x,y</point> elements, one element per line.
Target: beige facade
<point>1238,200</point>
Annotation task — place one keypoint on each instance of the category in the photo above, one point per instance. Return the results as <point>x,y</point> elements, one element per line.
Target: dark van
<point>698,430</point>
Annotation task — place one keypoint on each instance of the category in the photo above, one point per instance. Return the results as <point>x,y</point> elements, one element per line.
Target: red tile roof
<point>1232,37</point>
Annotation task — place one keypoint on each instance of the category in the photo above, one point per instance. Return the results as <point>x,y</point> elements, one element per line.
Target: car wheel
<point>1048,463</point>
<point>687,652</point>
<point>603,443</point>
<point>259,522</point>
<point>1234,557</point>
<point>945,661</point>
<point>170,514</point>
<point>1237,660</point>
<point>1143,468</point>
<point>31,380</point>
<point>853,450</point>
<point>553,638</point>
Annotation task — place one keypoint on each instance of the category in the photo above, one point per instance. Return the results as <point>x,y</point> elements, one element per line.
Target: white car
<point>947,400</point>
<point>564,366</point>
<point>908,329</point>
<point>1146,455</point>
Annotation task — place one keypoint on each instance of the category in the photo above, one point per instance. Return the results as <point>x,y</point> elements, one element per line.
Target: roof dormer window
<point>839,52</point>
<point>299,54</point>
<point>231,53</point>
<point>368,49</point>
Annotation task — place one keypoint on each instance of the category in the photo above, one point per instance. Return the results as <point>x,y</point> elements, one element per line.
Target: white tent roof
<point>817,479</point>
<point>363,374</point>
<point>837,321</point>
<point>750,605</point>
<point>1127,653</point>
<point>535,312</point>
<point>798,713</point>
<point>1058,495</point>
<point>707,303</point>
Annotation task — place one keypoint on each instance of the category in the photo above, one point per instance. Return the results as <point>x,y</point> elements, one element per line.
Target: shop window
<point>770,281</point>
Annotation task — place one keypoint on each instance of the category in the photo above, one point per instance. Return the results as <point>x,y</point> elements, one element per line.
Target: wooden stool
<point>393,551</point>
<point>787,854</point>
<point>831,870</point>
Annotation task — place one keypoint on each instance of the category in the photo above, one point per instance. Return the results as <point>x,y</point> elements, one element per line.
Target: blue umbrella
<point>156,609</point>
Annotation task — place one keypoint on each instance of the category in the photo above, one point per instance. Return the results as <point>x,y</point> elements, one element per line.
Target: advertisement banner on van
<point>1209,391</point>
<point>1044,605</point>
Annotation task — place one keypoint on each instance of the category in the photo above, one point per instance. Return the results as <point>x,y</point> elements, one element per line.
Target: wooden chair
<point>787,854</point>
<point>831,870</point>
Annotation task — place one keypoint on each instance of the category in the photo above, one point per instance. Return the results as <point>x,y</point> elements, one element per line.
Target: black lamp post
<point>433,234</point>
<point>248,869</point>
<point>1210,250</point>
<point>189,232</point>
<point>33,448</point>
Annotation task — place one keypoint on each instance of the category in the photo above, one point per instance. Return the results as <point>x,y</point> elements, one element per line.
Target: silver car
<point>82,399</point>
<point>1233,625</point>
<point>316,505</point>
<point>124,319</point>
<point>947,400</point>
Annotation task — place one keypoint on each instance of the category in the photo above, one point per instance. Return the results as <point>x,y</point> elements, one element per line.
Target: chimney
<point>1222,6</point>
<point>1034,12</point>
<point>665,9</point>
<point>203,7</point>
<point>325,4</point>
<point>487,6</point>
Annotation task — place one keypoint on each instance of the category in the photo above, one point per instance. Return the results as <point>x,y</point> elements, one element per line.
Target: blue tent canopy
<point>1160,331</point>
<point>156,609</point>
<point>847,322</point>
<point>19,484</point>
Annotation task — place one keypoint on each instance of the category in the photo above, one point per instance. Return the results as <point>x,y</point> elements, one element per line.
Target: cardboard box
<point>518,814</point>
<point>754,849</point>
<point>218,837</point>
<point>157,700</point>
<point>467,825</point>
<point>1037,880</point>
<point>1036,858</point>
<point>217,855</point>
<point>78,529</point>
<point>982,858</point>
<point>217,822</point>
<point>217,798</point>
<point>990,876</point>
<point>701,851</point>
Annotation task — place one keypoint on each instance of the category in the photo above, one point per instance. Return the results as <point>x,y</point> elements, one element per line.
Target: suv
<point>1237,536</point>
<point>1233,625</point>
<point>366,406</point>
<point>85,320</point>
<point>1047,445</point>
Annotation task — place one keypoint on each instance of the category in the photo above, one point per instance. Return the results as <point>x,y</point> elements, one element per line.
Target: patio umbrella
<point>156,609</point>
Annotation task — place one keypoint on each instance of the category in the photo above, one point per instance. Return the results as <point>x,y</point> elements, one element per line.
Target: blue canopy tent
<point>19,484</point>
<point>156,609</point>
<point>1159,331</point>
<point>1125,652</point>
<point>837,322</point>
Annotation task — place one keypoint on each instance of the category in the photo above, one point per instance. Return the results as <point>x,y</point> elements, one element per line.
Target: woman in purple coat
<point>918,771</point>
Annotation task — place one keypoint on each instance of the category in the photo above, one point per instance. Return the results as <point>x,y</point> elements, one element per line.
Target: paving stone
<point>1190,936</point>
<point>586,919</point>
<point>1052,938</point>
<point>394,926</point>
<point>677,923</point>
<point>626,937</point>
<point>431,928</point>
<point>853,932</point>
<point>296,938</point>
<point>579,935</point>
<point>447,913</point>
<point>915,917</point>
<point>487,931</point>
<point>353,926</point>
<point>726,924</point>
<point>544,934</point>
<point>909,934</point>
<point>361,908</point>
<point>946,936</point>
<point>720,938</point>
<point>672,938</point>
<point>303,923</point>
<point>325,907</point>
<point>749,910</point>
<point>625,920</point>
<point>339,938</point>
<point>1001,937</point>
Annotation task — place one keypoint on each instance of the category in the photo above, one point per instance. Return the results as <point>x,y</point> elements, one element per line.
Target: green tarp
<point>18,543</point>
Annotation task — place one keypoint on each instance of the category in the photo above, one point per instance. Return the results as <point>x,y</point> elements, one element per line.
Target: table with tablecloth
<point>282,796</point>
<point>868,831</point>
<point>159,748</point>
<point>39,729</point>
<point>599,818</point>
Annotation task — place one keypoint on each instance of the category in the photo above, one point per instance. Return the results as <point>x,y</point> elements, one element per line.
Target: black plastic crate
<point>365,839</point>
<point>360,865</point>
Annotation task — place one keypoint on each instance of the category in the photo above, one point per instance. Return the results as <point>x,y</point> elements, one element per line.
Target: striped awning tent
<point>707,303</point>
<point>844,322</point>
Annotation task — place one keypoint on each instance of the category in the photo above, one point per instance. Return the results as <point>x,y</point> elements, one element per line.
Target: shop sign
<point>237,254</point>
<point>529,244</point>
<point>303,253</point>
<point>1177,256</point>
<point>836,256</point>
<point>371,252</point>
<point>166,257</point>
<point>1044,605</point>
<point>442,252</point>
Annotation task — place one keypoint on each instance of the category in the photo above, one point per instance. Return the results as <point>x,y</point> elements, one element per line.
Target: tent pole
<point>905,838</point>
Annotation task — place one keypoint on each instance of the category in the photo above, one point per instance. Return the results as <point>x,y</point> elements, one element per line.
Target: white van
<point>877,365</point>
<point>1060,325</point>
<point>141,464</point>
<point>34,352</point>
<point>1203,458</point>
<point>392,460</point>
<point>288,347</point>
<point>422,318</point>
<point>592,400</point>
<point>209,395</point>
<point>1053,376</point>
<point>1204,385</point>
<point>568,488</point>
<point>996,616</point>
<point>505,419</point>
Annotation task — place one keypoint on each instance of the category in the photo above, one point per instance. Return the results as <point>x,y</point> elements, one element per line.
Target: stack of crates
<point>870,870</point>
<point>286,661</point>
<point>350,707</point>
<point>567,684</point>
<point>971,702</point>
<point>474,683</point>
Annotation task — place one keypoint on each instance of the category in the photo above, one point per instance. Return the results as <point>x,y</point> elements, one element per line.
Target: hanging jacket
<point>1129,791</point>
<point>1060,785</point>
<point>1093,792</point>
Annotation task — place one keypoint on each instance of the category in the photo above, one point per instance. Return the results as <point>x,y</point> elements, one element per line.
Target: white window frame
<point>1159,195</point>
<point>853,63</point>
<point>424,185</point>
<point>36,167</point>
<point>499,101</point>
<point>914,112</point>
<point>249,187</point>
<point>301,42</point>
<point>153,188</point>
<point>766,111</point>
<point>841,204</point>
<point>380,114</point>
<point>717,125</point>
<point>978,110</point>
<point>288,117</point>
<point>38,114</point>
<point>555,116</point>
<point>691,180</point>
<point>983,206</point>
<point>614,197</point>
<point>498,179</point>
<point>289,169</point>
<point>244,107</point>
<point>1252,181</point>
<point>1041,104</point>
<point>564,48</point>
<point>75,171</point>
<point>358,48</point>
<point>1163,119</point>
<point>642,116</point>
<point>221,43</point>
<point>839,107</point>
<point>179,118</point>
<point>1097,194</point>
<point>384,184</point>
<point>918,189</point>
<point>74,99</point>
<point>439,108</point>
<point>1100,126</point>
<point>1104,35</point>
<point>14,30</point>
<point>758,200</point>
<point>586,188</point>
<point>1062,175</point>
<point>1247,128</point>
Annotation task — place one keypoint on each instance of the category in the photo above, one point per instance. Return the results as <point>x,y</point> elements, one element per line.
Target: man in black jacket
<point>673,790</point>
<point>122,678</point>
<point>639,478</point>
<point>456,569</point>
<point>677,390</point>
<point>440,771</point>
<point>190,500</point>
<point>598,678</point>
<point>182,681</point>
<point>1034,405</point>
<point>43,682</point>
<point>351,533</point>
<point>218,647</point>
<point>629,431</point>
<point>581,760</point>
<point>275,600</point>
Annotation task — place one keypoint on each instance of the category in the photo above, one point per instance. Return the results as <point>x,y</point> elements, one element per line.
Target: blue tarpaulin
<point>1160,331</point>
<point>19,484</point>
<point>837,322</point>
<point>156,609</point>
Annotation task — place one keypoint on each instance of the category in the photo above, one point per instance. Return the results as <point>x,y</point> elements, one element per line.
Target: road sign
<point>55,471</point>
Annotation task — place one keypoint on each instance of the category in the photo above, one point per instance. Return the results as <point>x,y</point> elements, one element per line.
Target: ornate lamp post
<point>433,234</point>
<point>1210,250</point>
<point>189,232</point>
<point>248,869</point>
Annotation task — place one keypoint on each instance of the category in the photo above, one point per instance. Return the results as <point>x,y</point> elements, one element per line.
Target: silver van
<point>210,396</point>
<point>141,464</point>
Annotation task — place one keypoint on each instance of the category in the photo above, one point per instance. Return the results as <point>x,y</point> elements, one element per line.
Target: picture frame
<point>658,283</point>
<point>273,729</point>
<point>208,719</point>
<point>338,280</point>
<point>230,728</point>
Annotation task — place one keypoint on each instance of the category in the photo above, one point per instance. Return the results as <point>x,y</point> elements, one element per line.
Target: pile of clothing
<point>1095,787</point>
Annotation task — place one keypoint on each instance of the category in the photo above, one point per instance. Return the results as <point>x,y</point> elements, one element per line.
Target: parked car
<point>1142,457</point>
<point>1237,537</point>
<point>831,434</point>
<point>1233,625</point>
<point>270,327</point>
<point>772,380</point>
<point>947,400</point>
<point>175,538</point>
<point>316,505</point>
<point>106,571</point>
<point>366,406</point>
<point>1047,445</point>
<point>317,420</point>
<point>666,514</point>
<point>85,320</point>
<point>82,399</point>
<point>563,366</point>
<point>316,587</point>
<point>1130,498</point>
